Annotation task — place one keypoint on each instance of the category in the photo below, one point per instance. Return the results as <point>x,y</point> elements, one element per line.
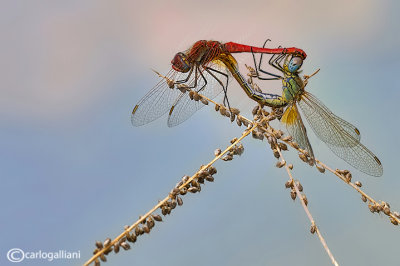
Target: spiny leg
<point>225,89</point>
<point>275,77</point>
<point>220,82</point>
<point>259,65</point>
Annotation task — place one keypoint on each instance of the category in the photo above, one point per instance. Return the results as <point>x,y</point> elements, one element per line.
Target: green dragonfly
<point>339,135</point>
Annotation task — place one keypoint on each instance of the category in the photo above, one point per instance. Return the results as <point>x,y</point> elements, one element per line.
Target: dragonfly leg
<point>226,86</point>
<point>186,79</point>
<point>225,89</point>
<point>274,62</point>
<point>275,77</point>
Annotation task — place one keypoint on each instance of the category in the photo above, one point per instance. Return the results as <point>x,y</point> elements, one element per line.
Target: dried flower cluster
<point>260,129</point>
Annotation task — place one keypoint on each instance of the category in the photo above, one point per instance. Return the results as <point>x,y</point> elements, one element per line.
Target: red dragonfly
<point>201,68</point>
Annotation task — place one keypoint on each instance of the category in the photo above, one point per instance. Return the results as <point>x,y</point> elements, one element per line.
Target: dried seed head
<point>179,200</point>
<point>372,207</point>
<point>256,88</point>
<point>276,154</point>
<point>320,168</point>
<point>295,145</point>
<point>240,149</point>
<point>170,82</point>
<point>290,166</point>
<point>173,204</point>
<point>183,191</point>
<point>200,179</point>
<point>212,170</point>
<point>364,198</point>
<point>157,217</point>
<point>348,177</point>
<point>222,110</point>
<point>217,106</point>
<point>185,178</point>
<point>235,111</point>
<point>396,214</point>
<point>175,191</point>
<point>193,189</point>
<point>116,248</point>
<point>107,242</point>
<point>99,245</point>
<point>204,101</point>
<point>96,262</point>
<point>210,178</point>
<point>255,109</point>
<point>233,140</point>
<point>217,152</point>
<point>245,122</point>
<point>386,210</point>
<point>289,184</point>
<point>288,138</point>
<point>125,245</point>
<point>238,121</point>
<point>293,194</point>
<point>282,146</point>
<point>196,96</point>
<point>358,184</point>
<point>150,222</point>
<point>299,186</point>
<point>183,87</point>
<point>313,228</point>
<point>194,183</point>
<point>146,229</point>
<point>227,158</point>
<point>95,251</point>
<point>304,197</point>
<point>393,221</point>
<point>303,157</point>
<point>191,94</point>
<point>131,237</point>
<point>280,164</point>
<point>108,250</point>
<point>103,257</point>
<point>232,117</point>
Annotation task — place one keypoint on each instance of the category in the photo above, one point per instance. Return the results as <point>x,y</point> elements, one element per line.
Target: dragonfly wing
<point>295,127</point>
<point>332,131</point>
<point>184,107</point>
<point>328,123</point>
<point>156,102</point>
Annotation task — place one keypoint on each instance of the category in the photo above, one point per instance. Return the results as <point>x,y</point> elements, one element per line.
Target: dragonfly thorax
<point>180,63</point>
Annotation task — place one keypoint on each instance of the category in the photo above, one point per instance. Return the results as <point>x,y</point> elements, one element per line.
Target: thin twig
<point>162,202</point>
<point>323,242</point>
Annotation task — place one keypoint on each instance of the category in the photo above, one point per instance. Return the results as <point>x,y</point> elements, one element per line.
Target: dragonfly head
<point>293,63</point>
<point>180,63</point>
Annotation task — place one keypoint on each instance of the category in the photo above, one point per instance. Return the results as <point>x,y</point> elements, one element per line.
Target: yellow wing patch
<point>290,115</point>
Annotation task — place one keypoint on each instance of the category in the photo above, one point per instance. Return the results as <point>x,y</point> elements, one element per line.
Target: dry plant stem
<point>334,262</point>
<point>160,203</point>
<point>355,187</point>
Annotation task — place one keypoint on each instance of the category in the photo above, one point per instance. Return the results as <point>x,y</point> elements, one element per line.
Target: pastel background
<point>74,170</point>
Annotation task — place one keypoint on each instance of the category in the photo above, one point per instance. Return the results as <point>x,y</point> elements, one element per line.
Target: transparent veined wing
<point>157,101</point>
<point>207,85</point>
<point>295,127</point>
<point>329,124</point>
<point>337,135</point>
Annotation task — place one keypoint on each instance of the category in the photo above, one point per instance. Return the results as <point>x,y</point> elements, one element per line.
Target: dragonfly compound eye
<point>180,63</point>
<point>295,63</point>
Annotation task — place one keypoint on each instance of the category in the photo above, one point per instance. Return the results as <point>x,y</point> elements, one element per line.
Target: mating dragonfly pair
<point>204,68</point>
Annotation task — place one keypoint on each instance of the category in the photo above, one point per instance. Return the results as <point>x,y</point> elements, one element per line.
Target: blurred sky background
<point>74,169</point>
